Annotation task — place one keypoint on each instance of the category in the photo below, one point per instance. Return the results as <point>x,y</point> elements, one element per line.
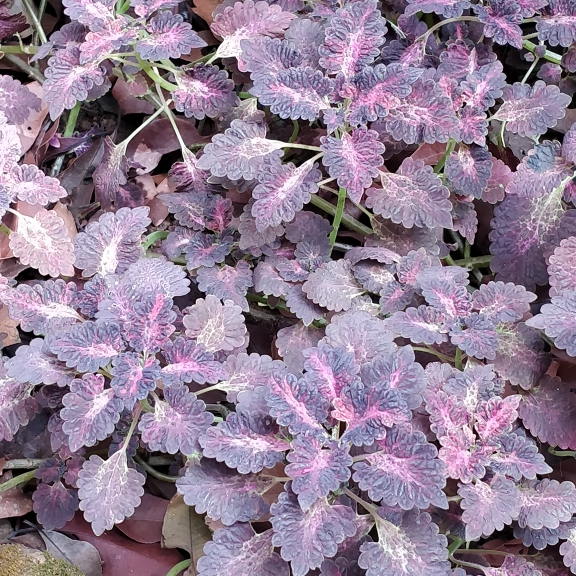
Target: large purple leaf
<point>227,282</point>
<point>518,457</point>
<point>353,160</point>
<point>413,196</point>
<point>54,505</point>
<point>424,324</point>
<point>558,25</point>
<point>297,403</point>
<point>546,503</point>
<point>176,423</point>
<point>306,538</point>
<point>90,412</point>
<point>369,411</point>
<point>245,443</point>
<point>109,491</point>
<point>18,406</point>
<point>222,493</point>
<point>239,550</point>
<point>408,545</point>
<point>317,468</point>
<point>548,411</point>
<point>489,506</point>
<point>404,471</point>
<point>189,362</point>
<point>87,346</point>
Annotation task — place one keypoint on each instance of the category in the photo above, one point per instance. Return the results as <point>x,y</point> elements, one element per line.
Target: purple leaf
<point>204,90</point>
<point>531,110</point>
<point>227,283</point>
<point>109,491</point>
<point>414,196</point>
<point>558,25</point>
<point>524,232</point>
<point>556,321</point>
<point>484,85</point>
<point>333,285</point>
<point>424,324</point>
<point>145,8</point>
<point>239,550</point>
<point>398,371</point>
<point>477,337</point>
<point>352,38</point>
<point>112,243</point>
<point>296,93</point>
<point>408,545</point>
<point>548,411</point>
<point>303,308</point>
<point>515,566</point>
<point>223,493</point>
<point>187,207</point>
<point>469,169</point>
<point>248,372</point>
<point>546,503</point>
<point>133,377</point>
<point>500,302</point>
<point>329,369</point>
<point>316,471</point>
<point>18,406</point>
<point>501,21</point>
<point>464,459</point>
<point>240,152</point>
<point>54,505</point>
<point>562,267</point>
<point>17,102</point>
<point>244,443</point>
<point>496,416</point>
<point>247,20</point>
<point>292,340</point>
<point>90,412</point>
<point>43,308</point>
<point>520,357</point>
<point>106,37</point>
<point>488,507</point>
<point>447,414</point>
<point>307,537</point>
<point>215,325</point>
<point>176,423</point>
<point>297,404</point>
<point>353,160</point>
<point>30,184</point>
<point>43,242</point>
<point>188,362</point>
<point>518,457</point>
<point>152,275</point>
<point>360,333</point>
<point>87,346</point>
<point>68,82</point>
<point>374,91</point>
<point>87,11</point>
<point>267,56</point>
<point>168,37</point>
<point>282,191</point>
<point>446,8</point>
<point>369,410</point>
<point>404,471</point>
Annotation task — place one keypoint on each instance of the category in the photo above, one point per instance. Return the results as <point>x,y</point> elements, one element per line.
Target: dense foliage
<point>419,384</point>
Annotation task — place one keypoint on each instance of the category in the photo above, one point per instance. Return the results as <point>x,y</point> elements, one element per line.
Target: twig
<point>35,21</point>
<point>17,480</point>
<point>68,132</point>
<point>347,220</point>
<point>338,215</point>
<point>474,262</point>
<point>153,472</point>
<point>23,463</point>
<point>24,66</point>
<point>174,571</point>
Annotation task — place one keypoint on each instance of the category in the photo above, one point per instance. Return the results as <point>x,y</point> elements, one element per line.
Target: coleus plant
<point>401,419</point>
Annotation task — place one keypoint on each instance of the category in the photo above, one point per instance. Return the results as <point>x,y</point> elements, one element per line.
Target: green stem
<point>179,567</point>
<point>71,122</point>
<point>295,132</point>
<point>148,120</point>
<point>323,183</point>
<point>154,473</point>
<point>154,237</point>
<point>467,248</point>
<point>244,95</point>
<point>530,70</point>
<point>35,21</point>
<point>458,359</point>
<point>5,230</point>
<point>211,60</point>
<point>548,55</point>
<point>562,453</point>
<point>203,59</point>
<point>18,49</point>
<point>135,417</point>
<point>155,76</point>
<point>439,355</point>
<point>348,221</point>
<point>338,216</point>
<point>209,389</point>
<point>450,260</point>
<point>124,7</point>
<point>23,463</point>
<point>17,480</point>
<point>449,149</point>
<point>25,67</point>
<point>482,551</point>
<point>474,261</point>
<point>455,545</point>
<point>303,147</point>
<point>369,507</point>
<point>170,116</point>
<point>425,36</point>
<point>468,564</point>
<point>41,10</point>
